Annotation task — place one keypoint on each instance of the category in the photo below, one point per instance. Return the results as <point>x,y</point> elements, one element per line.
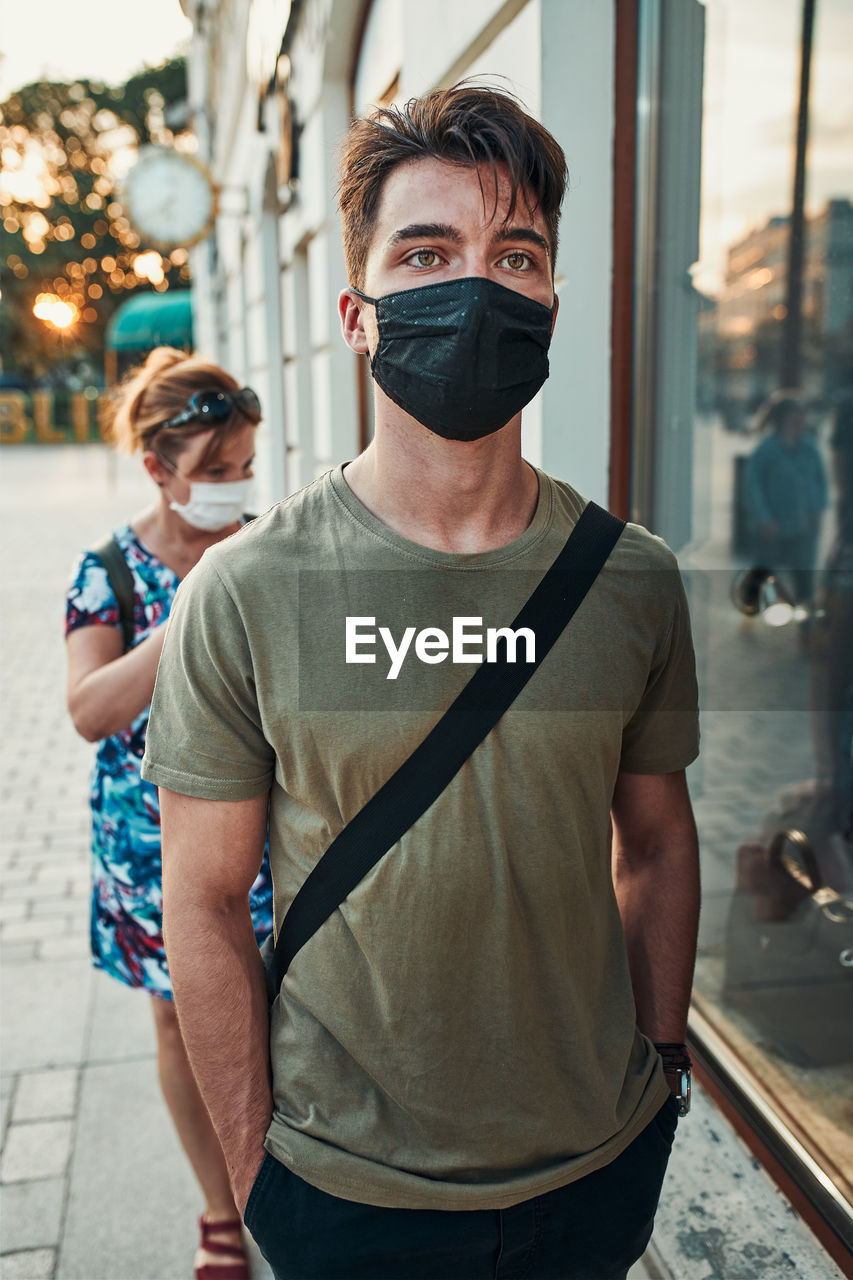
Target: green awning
<point>152,320</point>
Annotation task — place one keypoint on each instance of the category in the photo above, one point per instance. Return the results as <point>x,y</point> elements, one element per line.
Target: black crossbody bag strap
<point>120,579</point>
<point>420,780</point>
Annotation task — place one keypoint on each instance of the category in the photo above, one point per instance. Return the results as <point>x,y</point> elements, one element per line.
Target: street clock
<point>170,198</point>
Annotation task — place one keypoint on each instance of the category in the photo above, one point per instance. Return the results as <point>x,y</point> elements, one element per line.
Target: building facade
<point>678,120</point>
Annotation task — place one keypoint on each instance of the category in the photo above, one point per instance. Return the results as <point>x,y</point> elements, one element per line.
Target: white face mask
<point>213,506</point>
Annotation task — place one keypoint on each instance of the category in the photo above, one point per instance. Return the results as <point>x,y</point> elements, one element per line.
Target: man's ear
<point>351,310</point>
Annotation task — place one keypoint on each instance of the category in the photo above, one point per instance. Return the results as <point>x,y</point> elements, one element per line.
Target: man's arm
<point>212,850</point>
<point>655,859</point>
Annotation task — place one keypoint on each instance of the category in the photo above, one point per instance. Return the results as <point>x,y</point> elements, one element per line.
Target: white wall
<point>577,106</point>
<point>381,55</point>
<point>319,369</point>
<point>442,47</point>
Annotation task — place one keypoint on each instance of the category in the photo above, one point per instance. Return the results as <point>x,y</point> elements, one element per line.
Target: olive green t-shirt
<point>460,1033</point>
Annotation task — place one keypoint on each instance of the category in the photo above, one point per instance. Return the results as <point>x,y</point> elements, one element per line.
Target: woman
<point>786,493</point>
<point>837,626</point>
<point>195,429</point>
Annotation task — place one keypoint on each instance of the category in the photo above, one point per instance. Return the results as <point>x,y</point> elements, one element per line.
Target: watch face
<point>170,198</point>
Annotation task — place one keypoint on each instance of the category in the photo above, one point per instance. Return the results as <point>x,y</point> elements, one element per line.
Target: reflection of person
<point>836,651</point>
<point>785,491</point>
<point>196,431</point>
<point>459,1063</point>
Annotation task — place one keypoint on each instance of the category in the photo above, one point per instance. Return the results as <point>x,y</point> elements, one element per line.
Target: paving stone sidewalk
<point>93,1185</point>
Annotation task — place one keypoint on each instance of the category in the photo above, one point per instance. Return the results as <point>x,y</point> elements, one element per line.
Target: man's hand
<point>212,851</point>
<point>243,1179</point>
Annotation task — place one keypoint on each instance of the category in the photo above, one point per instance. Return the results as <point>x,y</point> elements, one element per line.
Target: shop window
<point>763,523</point>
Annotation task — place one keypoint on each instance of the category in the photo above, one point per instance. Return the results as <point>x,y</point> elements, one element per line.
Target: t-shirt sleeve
<point>205,737</point>
<point>90,600</point>
<point>662,735</point>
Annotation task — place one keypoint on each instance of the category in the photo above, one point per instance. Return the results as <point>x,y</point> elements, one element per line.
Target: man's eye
<point>517,261</point>
<point>424,258</point>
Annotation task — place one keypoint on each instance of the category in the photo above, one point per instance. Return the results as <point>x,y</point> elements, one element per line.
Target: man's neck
<point>449,495</point>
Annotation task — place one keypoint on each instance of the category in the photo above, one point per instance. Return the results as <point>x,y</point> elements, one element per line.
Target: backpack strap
<point>120,579</point>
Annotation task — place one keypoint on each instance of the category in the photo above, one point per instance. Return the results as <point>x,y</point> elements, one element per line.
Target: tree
<point>64,149</point>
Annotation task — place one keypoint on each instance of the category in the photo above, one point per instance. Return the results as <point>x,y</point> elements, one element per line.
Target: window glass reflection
<point>771,560</point>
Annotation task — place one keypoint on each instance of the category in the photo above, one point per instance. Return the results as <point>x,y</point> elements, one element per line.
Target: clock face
<point>170,198</point>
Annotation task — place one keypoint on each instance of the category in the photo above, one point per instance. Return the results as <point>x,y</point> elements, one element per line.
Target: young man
<point>460,1078</point>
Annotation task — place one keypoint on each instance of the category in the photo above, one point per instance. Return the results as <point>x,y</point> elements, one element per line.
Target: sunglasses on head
<point>217,406</point>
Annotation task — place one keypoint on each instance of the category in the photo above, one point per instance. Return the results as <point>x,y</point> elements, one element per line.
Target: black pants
<point>592,1229</point>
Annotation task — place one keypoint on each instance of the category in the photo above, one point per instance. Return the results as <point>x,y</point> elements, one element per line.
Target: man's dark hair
<point>466,125</point>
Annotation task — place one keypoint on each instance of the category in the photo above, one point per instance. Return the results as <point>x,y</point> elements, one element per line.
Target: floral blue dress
<point>127,897</point>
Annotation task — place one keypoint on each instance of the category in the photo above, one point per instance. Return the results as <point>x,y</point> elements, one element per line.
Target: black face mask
<point>462,357</point>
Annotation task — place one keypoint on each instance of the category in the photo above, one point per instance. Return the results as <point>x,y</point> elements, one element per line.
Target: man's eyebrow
<point>426,231</point>
<point>524,234</point>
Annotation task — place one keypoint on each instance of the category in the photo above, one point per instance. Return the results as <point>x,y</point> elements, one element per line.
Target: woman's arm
<point>107,689</point>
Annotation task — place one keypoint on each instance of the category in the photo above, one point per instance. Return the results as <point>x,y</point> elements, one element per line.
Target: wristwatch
<point>677,1067</point>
